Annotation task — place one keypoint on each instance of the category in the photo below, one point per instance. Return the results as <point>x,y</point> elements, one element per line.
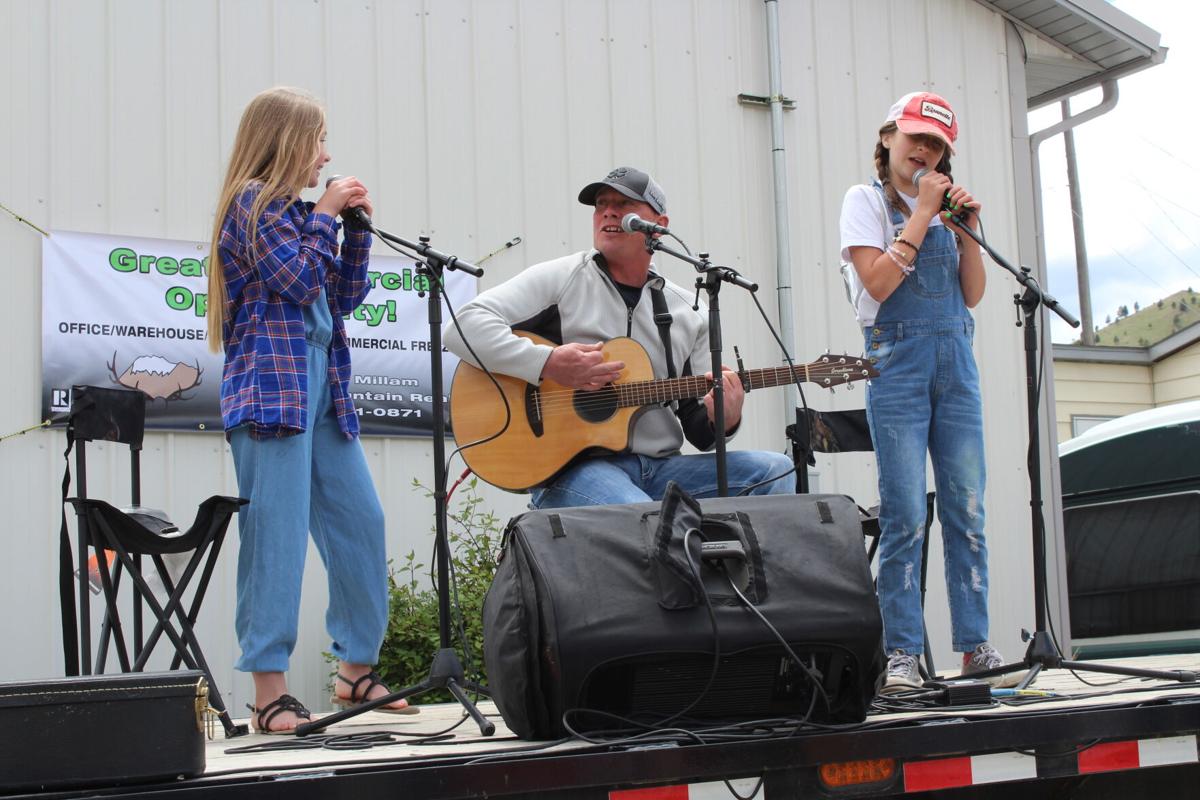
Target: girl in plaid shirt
<point>278,287</point>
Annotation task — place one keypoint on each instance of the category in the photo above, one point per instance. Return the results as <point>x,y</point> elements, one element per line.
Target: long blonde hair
<point>277,144</point>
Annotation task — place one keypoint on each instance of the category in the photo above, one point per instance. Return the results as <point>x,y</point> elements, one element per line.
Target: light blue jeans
<point>630,478</point>
<point>316,482</point>
<point>927,398</point>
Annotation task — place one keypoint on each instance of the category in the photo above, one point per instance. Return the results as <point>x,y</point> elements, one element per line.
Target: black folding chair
<point>847,432</point>
<point>118,415</point>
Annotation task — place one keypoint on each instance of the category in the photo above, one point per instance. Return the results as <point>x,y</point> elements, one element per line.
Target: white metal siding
<point>474,122</point>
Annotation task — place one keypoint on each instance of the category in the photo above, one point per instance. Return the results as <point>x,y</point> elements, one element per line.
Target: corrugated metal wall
<point>474,122</point>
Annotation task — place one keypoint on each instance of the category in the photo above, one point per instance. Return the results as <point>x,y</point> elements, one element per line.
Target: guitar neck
<point>827,371</point>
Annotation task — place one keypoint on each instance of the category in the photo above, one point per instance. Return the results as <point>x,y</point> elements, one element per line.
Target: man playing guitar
<point>576,304</point>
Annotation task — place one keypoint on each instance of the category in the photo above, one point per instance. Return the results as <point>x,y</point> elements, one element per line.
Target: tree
<point>1136,308</point>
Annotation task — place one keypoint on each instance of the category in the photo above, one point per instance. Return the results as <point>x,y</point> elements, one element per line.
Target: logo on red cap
<point>941,113</point>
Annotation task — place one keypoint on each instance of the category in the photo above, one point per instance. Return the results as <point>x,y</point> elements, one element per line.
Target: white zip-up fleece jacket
<point>573,299</point>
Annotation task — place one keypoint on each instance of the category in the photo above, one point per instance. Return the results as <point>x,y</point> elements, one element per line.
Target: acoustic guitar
<point>551,424</point>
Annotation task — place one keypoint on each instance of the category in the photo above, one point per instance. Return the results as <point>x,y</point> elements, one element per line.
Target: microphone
<point>353,217</point>
<point>945,198</point>
<point>632,223</point>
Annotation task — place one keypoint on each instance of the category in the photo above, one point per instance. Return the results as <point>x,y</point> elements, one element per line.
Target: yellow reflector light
<point>855,773</point>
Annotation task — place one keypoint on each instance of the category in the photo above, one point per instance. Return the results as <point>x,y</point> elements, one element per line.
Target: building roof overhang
<point>1075,45</point>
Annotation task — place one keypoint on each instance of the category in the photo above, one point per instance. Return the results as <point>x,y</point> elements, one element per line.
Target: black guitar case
<point>599,609</point>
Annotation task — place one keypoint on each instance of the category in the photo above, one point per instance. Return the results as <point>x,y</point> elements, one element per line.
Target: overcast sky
<point>1139,169</point>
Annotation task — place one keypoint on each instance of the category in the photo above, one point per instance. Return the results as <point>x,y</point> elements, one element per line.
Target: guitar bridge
<point>533,409</point>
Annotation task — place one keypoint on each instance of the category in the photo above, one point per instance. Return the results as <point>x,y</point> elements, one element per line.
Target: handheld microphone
<point>945,198</point>
<point>632,223</point>
<point>353,217</point>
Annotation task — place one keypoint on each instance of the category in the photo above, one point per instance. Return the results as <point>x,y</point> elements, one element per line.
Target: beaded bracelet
<point>902,240</point>
<point>907,259</point>
<point>894,255</point>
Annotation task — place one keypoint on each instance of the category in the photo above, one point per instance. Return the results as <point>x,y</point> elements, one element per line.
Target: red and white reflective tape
<point>1136,753</point>
<point>946,773</point>
<point>712,790</point>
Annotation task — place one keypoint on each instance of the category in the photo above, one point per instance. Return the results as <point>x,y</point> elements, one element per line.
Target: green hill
<point>1153,323</point>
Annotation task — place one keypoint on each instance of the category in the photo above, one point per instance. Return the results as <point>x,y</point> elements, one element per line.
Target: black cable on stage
<point>811,672</point>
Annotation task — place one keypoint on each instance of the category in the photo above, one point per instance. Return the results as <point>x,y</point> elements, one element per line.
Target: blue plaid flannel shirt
<point>264,381</point>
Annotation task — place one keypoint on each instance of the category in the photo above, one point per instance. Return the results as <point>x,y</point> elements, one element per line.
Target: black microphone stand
<point>713,275</point>
<point>446,671</point>
<point>1043,652</point>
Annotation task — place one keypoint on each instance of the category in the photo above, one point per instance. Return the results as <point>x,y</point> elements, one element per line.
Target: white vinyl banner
<point>127,311</point>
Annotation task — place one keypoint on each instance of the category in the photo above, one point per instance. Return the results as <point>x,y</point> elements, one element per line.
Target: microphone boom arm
<point>1022,275</point>
<point>702,264</point>
<point>441,259</point>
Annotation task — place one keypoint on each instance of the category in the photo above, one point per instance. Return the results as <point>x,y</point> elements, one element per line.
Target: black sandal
<point>285,702</point>
<point>357,698</point>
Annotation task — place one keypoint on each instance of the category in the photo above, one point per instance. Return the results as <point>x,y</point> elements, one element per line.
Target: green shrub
<point>412,634</point>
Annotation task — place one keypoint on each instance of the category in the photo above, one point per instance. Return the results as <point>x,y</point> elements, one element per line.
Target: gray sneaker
<point>902,673</point>
<point>985,657</point>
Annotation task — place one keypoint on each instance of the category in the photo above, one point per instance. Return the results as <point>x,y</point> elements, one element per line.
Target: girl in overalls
<point>915,276</point>
<point>278,287</point>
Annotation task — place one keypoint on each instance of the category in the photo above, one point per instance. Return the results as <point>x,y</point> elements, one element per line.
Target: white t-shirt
<point>863,225</point>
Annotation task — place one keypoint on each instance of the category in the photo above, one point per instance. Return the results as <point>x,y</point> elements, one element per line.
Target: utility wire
<point>1166,215</point>
<point>1124,258</point>
<point>1168,248</point>
<point>1162,149</point>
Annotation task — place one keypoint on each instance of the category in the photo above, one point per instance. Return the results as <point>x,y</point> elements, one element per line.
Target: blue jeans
<point>927,398</point>
<point>314,482</point>
<point>630,478</point>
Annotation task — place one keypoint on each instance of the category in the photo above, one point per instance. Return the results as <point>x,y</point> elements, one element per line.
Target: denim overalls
<point>318,482</point>
<point>927,398</point>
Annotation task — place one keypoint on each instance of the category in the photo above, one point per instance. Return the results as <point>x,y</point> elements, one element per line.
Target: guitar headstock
<point>833,370</point>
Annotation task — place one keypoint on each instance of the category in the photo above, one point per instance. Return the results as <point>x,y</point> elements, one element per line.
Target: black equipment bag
<point>598,608</point>
<point>101,731</point>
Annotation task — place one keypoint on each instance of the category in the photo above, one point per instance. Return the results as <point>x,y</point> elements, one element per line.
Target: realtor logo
<point>60,399</point>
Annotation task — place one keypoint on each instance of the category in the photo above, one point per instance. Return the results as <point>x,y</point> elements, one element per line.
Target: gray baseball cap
<point>631,182</point>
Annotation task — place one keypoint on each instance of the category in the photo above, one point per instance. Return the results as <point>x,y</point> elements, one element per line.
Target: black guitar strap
<point>662,318</point>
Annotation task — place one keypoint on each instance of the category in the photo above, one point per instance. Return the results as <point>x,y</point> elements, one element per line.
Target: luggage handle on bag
<point>678,587</point>
<point>716,544</point>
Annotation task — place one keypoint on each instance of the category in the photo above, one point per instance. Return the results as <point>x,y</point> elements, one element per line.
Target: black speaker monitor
<point>599,608</point>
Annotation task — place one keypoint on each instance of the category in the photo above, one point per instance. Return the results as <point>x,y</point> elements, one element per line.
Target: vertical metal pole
<point>1081,262</point>
<point>783,256</point>
<point>135,492</point>
<point>85,609</point>
<point>440,512</point>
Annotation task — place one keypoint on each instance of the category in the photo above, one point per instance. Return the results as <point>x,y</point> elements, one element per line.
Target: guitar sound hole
<point>596,406</point>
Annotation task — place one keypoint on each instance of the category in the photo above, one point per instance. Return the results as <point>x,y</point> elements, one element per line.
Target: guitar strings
<point>638,393</point>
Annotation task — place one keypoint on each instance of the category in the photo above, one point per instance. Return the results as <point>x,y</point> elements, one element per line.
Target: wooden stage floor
<point>261,755</point>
